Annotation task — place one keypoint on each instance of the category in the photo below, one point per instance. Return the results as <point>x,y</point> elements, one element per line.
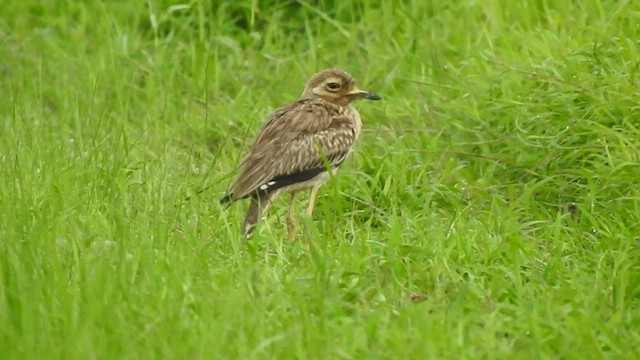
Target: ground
<point>491,210</point>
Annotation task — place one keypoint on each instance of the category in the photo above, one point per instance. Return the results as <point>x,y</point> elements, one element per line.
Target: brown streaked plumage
<point>297,142</point>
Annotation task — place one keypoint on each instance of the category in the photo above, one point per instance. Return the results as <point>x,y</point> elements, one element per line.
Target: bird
<point>300,146</point>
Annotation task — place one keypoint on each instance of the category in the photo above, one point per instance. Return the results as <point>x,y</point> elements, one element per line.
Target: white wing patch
<point>266,186</point>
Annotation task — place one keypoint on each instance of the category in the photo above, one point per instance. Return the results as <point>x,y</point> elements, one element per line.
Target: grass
<point>491,211</point>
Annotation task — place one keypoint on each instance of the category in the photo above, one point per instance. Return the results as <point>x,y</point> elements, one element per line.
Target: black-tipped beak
<point>363,94</point>
<point>372,96</point>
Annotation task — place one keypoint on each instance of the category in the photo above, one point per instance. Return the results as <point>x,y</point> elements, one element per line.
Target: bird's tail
<point>226,199</point>
<point>256,208</point>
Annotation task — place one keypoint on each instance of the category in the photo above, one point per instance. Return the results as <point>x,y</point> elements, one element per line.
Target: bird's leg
<point>257,207</point>
<point>291,217</point>
<point>312,200</point>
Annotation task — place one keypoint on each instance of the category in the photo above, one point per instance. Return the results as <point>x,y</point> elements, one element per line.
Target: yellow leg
<point>312,200</point>
<point>291,217</point>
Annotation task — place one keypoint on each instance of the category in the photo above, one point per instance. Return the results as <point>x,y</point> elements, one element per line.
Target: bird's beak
<point>364,94</point>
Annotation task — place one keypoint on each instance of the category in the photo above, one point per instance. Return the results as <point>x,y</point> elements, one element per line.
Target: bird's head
<point>335,86</point>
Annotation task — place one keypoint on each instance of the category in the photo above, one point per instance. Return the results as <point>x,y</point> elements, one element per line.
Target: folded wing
<point>294,145</point>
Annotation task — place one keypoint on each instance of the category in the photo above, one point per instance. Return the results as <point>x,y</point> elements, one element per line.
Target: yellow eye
<point>333,86</point>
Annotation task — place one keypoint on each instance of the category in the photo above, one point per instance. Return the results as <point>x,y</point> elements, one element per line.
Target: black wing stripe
<point>286,180</point>
<point>298,177</point>
<point>290,179</point>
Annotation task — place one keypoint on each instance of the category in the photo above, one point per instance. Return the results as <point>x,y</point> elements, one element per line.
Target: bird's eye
<point>333,86</point>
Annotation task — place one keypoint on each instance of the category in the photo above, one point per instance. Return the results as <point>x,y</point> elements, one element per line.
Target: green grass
<point>492,209</point>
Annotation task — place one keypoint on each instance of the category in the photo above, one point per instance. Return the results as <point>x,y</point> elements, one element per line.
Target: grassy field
<point>492,209</point>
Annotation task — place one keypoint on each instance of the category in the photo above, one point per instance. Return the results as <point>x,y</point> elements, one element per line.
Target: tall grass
<point>491,210</point>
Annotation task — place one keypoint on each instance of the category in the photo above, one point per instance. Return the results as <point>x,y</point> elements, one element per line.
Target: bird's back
<point>297,137</point>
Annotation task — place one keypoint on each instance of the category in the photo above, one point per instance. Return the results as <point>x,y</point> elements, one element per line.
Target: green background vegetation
<point>491,209</point>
